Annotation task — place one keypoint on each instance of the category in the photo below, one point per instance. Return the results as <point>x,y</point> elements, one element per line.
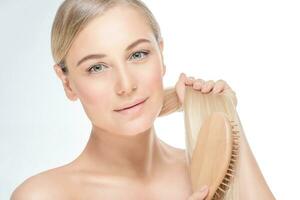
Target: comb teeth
<point>225,185</point>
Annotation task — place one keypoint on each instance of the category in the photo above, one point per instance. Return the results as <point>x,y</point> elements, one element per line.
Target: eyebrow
<point>95,56</point>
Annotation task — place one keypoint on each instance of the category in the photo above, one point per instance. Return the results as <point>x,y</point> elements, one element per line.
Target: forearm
<point>252,184</point>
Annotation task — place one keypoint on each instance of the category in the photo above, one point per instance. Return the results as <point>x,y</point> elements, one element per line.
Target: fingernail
<point>204,188</point>
<point>203,195</point>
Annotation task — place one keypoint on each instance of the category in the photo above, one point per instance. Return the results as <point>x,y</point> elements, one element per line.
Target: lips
<point>130,105</point>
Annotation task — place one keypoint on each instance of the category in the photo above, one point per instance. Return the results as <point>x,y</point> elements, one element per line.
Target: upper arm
<point>28,190</point>
<point>38,187</point>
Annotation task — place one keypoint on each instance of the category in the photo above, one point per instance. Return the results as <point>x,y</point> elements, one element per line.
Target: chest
<point>169,186</point>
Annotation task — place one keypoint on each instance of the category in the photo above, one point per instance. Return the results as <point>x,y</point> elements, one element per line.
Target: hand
<point>199,195</point>
<point>203,86</point>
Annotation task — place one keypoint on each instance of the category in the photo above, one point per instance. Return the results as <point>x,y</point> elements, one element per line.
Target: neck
<point>137,156</point>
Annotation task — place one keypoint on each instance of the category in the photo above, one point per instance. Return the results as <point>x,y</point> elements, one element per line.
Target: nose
<point>125,84</point>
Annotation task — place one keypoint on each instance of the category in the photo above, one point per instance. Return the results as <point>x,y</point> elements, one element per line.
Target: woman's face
<point>105,83</point>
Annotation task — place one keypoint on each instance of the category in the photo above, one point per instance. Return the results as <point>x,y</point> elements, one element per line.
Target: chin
<point>138,126</point>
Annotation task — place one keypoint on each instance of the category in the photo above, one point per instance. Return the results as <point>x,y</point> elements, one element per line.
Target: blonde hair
<point>73,15</point>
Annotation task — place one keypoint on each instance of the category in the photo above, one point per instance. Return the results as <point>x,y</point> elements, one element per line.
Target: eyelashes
<point>98,67</point>
<point>144,52</point>
<point>95,67</point>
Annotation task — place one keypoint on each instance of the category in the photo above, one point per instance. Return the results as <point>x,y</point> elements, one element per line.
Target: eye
<point>100,67</point>
<point>96,68</point>
<point>139,54</point>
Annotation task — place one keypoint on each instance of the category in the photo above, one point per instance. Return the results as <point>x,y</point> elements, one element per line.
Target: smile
<point>135,109</point>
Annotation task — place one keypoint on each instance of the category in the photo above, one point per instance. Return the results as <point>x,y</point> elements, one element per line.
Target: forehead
<point>117,27</point>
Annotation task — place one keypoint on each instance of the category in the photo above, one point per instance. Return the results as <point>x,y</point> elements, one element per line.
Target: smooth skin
<point>123,159</point>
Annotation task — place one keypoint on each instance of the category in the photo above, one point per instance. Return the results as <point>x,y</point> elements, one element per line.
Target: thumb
<point>180,87</point>
<point>199,195</point>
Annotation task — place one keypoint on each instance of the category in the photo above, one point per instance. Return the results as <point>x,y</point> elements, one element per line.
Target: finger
<point>190,80</point>
<point>226,88</point>
<point>219,86</point>
<point>204,192</point>
<point>180,87</point>
<point>200,195</point>
<point>181,79</point>
<point>208,86</point>
<point>198,84</point>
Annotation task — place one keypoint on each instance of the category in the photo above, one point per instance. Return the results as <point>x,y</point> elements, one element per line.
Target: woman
<point>109,55</point>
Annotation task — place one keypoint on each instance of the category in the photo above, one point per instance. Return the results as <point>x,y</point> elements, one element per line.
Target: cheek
<point>93,97</point>
<point>92,92</point>
<point>152,78</point>
<point>152,84</point>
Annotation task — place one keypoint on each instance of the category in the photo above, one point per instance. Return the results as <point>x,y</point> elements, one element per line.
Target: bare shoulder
<point>50,184</point>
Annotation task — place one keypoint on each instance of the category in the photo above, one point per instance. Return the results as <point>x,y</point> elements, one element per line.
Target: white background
<point>253,45</point>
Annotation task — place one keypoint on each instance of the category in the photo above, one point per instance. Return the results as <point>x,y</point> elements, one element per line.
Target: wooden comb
<point>215,154</point>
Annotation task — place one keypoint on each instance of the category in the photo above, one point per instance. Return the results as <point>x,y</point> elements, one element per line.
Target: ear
<point>66,83</point>
<point>161,47</point>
